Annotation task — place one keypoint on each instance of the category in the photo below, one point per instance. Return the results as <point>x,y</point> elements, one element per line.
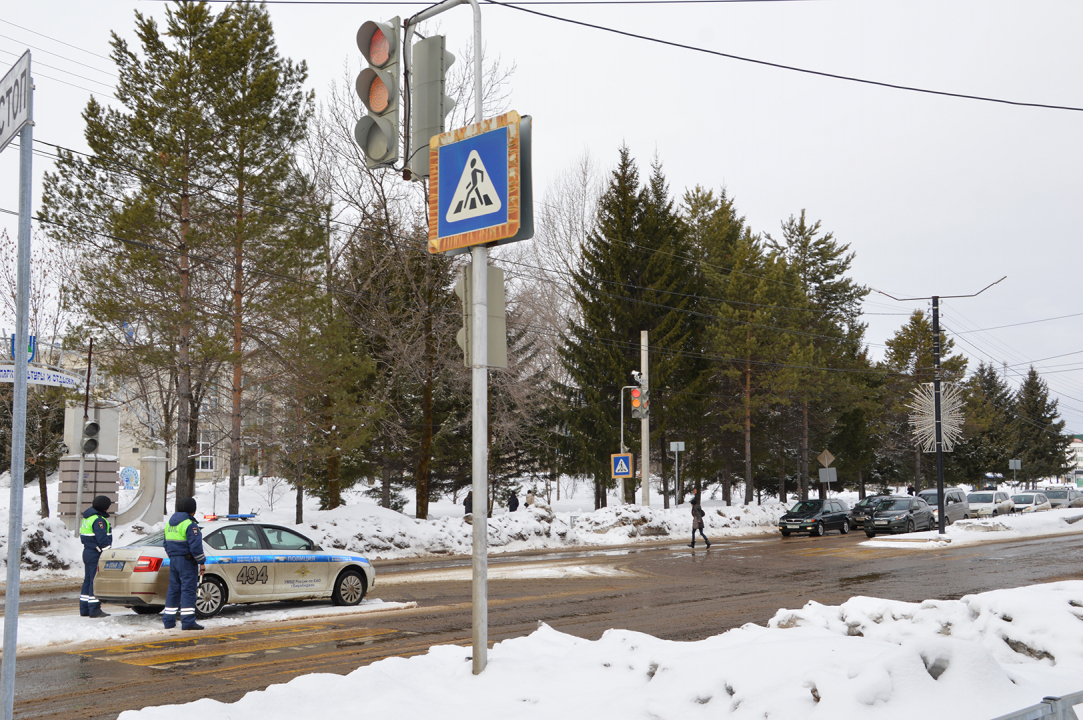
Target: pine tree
<point>1040,442</point>
<point>142,201</point>
<point>987,433</point>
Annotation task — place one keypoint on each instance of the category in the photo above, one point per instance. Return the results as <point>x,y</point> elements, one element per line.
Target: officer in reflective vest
<point>97,534</point>
<point>184,545</point>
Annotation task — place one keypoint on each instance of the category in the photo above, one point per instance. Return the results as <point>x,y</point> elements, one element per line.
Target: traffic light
<point>428,103</point>
<point>89,442</point>
<point>377,134</point>
<point>640,402</point>
<point>496,328</point>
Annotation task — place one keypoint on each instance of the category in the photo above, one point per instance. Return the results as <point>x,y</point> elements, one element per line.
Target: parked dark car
<point>815,517</point>
<point>900,514</point>
<point>863,510</point>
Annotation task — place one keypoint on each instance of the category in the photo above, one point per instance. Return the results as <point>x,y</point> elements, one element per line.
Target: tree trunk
<point>917,467</point>
<point>42,476</point>
<point>421,475</point>
<point>748,435</point>
<point>299,506</point>
<point>782,479</point>
<point>385,495</point>
<point>238,348</point>
<point>727,482</point>
<point>662,469</point>
<point>803,460</point>
<point>185,482</point>
<point>860,485</point>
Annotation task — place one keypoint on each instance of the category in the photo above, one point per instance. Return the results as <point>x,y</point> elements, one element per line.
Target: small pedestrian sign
<point>480,185</point>
<point>622,465</point>
<point>476,194</point>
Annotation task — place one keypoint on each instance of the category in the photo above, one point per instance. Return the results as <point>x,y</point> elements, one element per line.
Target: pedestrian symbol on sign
<point>475,195</point>
<point>621,463</point>
<point>622,467</point>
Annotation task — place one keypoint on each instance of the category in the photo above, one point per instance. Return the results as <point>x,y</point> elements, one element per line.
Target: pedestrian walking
<point>513,502</point>
<point>96,532</point>
<point>697,519</point>
<point>468,503</point>
<point>530,498</point>
<point>184,545</point>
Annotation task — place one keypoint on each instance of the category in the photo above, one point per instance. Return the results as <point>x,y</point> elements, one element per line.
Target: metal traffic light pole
<point>479,369</point>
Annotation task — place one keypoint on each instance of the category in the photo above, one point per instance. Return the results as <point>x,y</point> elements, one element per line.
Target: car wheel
<point>349,588</point>
<point>994,513</point>
<point>148,609</point>
<point>845,527</point>
<point>785,533</point>
<point>910,526</point>
<point>210,597</point>
<point>869,533</point>
<point>818,529</point>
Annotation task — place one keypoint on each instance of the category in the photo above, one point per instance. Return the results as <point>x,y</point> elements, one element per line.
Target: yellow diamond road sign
<point>825,458</point>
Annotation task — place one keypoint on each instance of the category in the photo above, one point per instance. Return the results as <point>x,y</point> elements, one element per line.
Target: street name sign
<point>15,100</point>
<point>622,465</point>
<point>42,376</point>
<point>480,190</point>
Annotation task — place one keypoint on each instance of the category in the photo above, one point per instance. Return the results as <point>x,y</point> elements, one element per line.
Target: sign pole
<point>645,427</point>
<point>18,415</point>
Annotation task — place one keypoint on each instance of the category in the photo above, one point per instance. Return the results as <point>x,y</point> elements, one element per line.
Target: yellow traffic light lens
<point>379,48</point>
<point>378,99</point>
<point>635,402</point>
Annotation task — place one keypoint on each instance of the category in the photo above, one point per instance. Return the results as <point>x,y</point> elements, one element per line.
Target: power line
<point>818,73</point>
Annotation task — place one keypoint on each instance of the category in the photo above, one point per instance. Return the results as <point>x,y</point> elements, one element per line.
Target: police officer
<point>184,545</point>
<point>97,534</point>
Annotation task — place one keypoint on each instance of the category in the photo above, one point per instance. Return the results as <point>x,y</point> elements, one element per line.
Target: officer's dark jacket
<point>101,536</point>
<point>192,545</point>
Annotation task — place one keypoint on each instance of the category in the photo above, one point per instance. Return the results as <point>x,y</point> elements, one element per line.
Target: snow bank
<point>978,657</point>
<point>1000,528</point>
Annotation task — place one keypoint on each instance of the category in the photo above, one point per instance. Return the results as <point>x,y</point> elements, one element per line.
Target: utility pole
<point>938,420</point>
<point>645,427</point>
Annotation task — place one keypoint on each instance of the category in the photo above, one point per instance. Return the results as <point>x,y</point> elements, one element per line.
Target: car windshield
<point>157,539</point>
<point>1058,494</point>
<point>980,497</point>
<point>894,504</point>
<point>807,506</point>
<point>929,497</point>
<point>871,501</point>
<point>1024,499</point>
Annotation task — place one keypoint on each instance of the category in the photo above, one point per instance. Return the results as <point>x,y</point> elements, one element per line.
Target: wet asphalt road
<point>666,590</point>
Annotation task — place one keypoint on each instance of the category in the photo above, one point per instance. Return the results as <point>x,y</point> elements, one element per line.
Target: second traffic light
<point>428,103</point>
<point>89,441</point>
<point>377,134</point>
<point>641,402</point>
<point>496,329</point>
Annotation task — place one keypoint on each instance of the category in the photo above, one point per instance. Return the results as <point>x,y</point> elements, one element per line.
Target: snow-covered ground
<point>53,630</point>
<point>51,552</point>
<point>978,657</point>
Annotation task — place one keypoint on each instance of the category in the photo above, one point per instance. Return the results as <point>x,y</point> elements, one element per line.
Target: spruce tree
<point>1040,442</point>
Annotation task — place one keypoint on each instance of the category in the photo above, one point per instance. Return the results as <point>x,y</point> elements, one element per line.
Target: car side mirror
<point>315,548</point>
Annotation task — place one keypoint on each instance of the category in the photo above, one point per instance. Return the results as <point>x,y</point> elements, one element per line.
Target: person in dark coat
<point>513,502</point>
<point>697,519</point>
<point>468,503</point>
<point>96,533</point>
<point>184,545</point>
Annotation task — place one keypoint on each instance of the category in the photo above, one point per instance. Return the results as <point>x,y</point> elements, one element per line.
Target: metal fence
<point>1054,708</point>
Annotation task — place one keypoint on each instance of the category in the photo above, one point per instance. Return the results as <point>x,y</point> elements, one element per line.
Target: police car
<point>246,563</point>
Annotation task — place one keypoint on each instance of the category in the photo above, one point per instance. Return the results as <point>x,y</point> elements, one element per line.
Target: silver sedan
<point>246,563</point>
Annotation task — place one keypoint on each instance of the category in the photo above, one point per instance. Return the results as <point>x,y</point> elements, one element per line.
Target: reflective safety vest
<point>86,528</point>
<point>178,533</point>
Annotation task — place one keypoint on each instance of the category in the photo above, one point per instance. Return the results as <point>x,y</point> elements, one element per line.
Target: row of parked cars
<point>906,513</point>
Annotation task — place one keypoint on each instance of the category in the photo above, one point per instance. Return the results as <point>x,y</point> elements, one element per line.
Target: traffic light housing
<point>377,134</point>
<point>640,402</point>
<point>88,444</point>
<point>428,103</point>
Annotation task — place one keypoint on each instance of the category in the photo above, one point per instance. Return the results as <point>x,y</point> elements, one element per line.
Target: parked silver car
<point>1063,496</point>
<point>956,506</point>
<point>990,503</point>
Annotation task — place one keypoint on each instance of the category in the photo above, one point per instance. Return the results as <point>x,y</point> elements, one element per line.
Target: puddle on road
<point>860,579</point>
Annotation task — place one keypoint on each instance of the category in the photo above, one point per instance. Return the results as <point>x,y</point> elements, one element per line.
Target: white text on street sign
<point>15,100</point>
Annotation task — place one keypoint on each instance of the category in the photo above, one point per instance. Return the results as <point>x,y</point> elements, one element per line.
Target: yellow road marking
<point>229,644</point>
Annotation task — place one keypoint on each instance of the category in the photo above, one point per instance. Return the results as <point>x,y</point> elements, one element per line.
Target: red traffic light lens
<point>378,99</point>
<point>635,392</point>
<point>379,48</point>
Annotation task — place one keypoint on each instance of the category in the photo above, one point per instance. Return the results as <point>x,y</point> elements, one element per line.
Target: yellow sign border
<point>487,235</point>
<point>631,465</point>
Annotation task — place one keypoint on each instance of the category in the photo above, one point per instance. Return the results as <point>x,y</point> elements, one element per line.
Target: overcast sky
<point>934,194</point>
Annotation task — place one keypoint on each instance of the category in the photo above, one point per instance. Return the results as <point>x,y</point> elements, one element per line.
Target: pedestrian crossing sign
<point>622,465</point>
<point>480,186</point>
